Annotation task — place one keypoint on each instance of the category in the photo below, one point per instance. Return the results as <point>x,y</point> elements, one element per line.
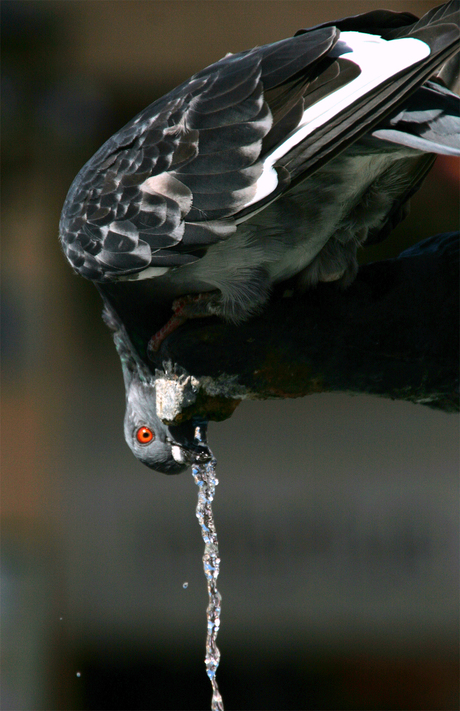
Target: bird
<point>273,163</point>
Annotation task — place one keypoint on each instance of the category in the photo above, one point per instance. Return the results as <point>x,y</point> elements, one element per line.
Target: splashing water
<point>204,473</point>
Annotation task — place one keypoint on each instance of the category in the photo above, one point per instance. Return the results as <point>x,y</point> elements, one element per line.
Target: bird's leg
<point>185,307</point>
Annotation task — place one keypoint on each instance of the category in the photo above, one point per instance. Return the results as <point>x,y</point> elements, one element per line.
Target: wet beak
<point>178,454</point>
<point>188,452</point>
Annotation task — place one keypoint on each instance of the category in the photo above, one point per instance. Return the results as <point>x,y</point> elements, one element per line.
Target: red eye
<point>144,435</point>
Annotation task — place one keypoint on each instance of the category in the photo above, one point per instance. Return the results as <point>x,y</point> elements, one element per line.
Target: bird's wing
<point>220,147</point>
<point>439,30</point>
<point>163,186</point>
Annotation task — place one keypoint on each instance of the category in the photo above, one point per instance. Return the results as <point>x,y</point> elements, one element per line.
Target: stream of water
<point>204,473</point>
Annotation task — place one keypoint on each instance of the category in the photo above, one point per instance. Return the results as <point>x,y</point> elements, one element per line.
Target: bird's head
<point>167,449</point>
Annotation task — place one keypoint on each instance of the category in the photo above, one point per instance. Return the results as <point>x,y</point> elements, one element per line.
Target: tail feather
<point>429,121</point>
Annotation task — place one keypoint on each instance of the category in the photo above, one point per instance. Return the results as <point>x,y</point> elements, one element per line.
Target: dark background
<point>337,516</point>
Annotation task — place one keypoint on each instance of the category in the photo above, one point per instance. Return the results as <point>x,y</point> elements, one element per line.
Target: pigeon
<point>272,164</point>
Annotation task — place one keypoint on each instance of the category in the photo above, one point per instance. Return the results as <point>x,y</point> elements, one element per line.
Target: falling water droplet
<point>79,674</point>
<point>204,473</point>
<point>185,586</point>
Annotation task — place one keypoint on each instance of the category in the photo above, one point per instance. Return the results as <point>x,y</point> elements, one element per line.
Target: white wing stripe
<point>378,60</point>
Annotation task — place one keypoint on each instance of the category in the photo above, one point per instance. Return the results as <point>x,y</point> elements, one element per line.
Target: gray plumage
<point>272,163</point>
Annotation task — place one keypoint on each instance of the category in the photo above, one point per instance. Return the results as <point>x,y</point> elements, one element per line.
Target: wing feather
<point>185,163</point>
<point>219,147</point>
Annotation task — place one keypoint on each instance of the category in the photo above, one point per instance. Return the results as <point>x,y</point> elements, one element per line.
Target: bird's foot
<point>156,340</point>
<point>185,307</point>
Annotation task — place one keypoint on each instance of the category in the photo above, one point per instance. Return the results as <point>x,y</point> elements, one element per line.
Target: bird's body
<point>274,163</point>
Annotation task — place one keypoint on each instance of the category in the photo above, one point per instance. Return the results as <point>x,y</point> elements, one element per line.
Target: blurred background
<point>337,516</point>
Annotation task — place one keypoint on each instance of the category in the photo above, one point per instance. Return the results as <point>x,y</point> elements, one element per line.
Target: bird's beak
<point>188,453</point>
<point>178,454</point>
<point>185,448</point>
